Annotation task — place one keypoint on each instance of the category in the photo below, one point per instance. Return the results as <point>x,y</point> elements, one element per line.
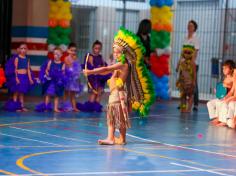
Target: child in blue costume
<point>19,79</point>
<point>52,77</point>
<point>72,83</point>
<point>96,83</point>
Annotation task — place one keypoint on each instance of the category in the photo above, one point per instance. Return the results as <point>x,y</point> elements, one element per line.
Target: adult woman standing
<point>143,33</point>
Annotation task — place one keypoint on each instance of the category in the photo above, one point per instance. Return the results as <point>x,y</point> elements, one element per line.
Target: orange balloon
<point>52,22</point>
<point>64,23</point>
<point>162,27</point>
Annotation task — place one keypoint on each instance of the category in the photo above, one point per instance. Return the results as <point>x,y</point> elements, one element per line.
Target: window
<point>83,25</point>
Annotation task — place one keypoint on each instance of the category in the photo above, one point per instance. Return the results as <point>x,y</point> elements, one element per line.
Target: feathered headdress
<point>139,84</point>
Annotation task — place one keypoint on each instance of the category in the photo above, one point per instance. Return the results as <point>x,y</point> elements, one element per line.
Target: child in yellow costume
<point>130,84</point>
<point>187,78</point>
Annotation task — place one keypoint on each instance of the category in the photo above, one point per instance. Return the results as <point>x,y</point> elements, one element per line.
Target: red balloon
<point>52,22</point>
<point>64,23</point>
<point>159,65</point>
<point>50,55</point>
<point>65,54</point>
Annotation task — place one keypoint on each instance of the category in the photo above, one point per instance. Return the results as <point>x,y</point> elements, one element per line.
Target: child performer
<point>96,83</point>
<point>53,82</point>
<point>72,74</point>
<point>21,79</point>
<point>215,105</point>
<point>130,83</point>
<point>187,78</point>
<point>227,107</point>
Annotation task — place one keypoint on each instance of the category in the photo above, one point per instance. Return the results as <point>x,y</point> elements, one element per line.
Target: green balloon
<point>160,39</point>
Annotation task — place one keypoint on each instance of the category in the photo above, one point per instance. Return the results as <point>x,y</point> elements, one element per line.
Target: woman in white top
<point>192,40</point>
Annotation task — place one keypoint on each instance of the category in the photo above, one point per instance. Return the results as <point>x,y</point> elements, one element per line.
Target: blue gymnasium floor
<point>165,144</point>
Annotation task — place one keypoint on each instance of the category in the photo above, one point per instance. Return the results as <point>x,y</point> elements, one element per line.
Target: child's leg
<point>190,103</point>
<point>231,121</point>
<point>92,97</point>
<point>99,95</point>
<point>223,114</point>
<point>110,136</point>
<point>66,95</point>
<point>122,139</point>
<point>15,96</point>
<point>73,101</point>
<point>183,102</point>
<point>56,103</point>
<point>47,99</point>
<point>21,97</point>
<point>211,106</point>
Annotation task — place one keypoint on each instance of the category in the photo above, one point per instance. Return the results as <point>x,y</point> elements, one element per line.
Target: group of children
<point>222,112</point>
<point>59,78</point>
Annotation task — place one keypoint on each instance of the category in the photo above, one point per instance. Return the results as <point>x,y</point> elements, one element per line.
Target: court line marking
<point>182,147</point>
<point>8,173</point>
<point>29,139</point>
<point>20,163</point>
<point>200,169</point>
<point>169,158</point>
<point>53,135</point>
<point>125,172</point>
<point>78,119</point>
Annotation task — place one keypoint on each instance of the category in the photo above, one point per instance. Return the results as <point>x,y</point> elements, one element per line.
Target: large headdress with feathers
<point>139,84</point>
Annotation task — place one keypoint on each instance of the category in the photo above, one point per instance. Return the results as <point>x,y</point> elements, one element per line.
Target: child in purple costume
<point>19,79</point>
<point>96,83</point>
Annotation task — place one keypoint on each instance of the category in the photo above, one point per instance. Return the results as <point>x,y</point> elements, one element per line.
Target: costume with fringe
<point>186,74</point>
<point>138,90</point>
<point>52,84</point>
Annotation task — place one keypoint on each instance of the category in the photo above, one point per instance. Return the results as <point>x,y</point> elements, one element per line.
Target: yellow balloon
<point>53,9</point>
<point>60,3</point>
<point>67,5</point>
<point>161,15</point>
<point>52,15</point>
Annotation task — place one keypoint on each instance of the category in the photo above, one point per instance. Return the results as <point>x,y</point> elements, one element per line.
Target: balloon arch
<point>161,18</point>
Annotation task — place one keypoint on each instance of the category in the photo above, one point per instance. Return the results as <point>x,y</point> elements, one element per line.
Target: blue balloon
<point>161,3</point>
<point>165,79</point>
<point>161,85</point>
<point>165,95</point>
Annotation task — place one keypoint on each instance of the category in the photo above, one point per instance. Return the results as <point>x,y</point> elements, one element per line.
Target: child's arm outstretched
<point>104,70</point>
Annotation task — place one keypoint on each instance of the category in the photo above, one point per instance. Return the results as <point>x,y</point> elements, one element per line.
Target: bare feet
<point>185,111</point>
<point>57,110</point>
<point>214,121</point>
<point>76,110</point>
<point>105,142</point>
<point>24,109</point>
<point>119,141</point>
<point>221,124</point>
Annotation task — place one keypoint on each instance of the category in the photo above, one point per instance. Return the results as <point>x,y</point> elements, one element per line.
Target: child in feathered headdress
<point>130,84</point>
